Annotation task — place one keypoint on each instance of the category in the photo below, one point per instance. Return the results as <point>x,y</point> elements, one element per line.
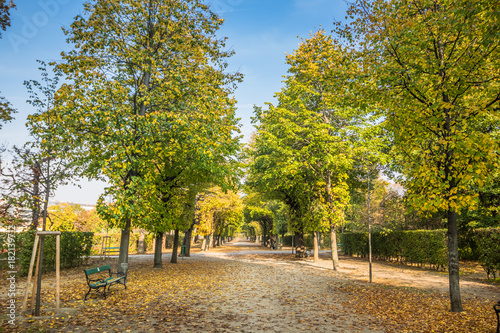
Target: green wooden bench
<point>106,251</point>
<point>102,281</point>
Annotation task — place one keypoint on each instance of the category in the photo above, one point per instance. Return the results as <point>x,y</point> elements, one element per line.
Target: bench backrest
<point>97,270</point>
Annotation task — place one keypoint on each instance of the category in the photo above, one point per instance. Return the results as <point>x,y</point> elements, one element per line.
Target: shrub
<point>488,247</point>
<point>75,247</point>
<point>420,246</point>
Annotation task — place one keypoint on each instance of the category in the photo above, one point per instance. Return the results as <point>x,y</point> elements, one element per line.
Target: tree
<point>50,159</point>
<point>220,214</point>
<point>433,67</point>
<point>64,216</point>
<point>308,138</point>
<point>147,88</point>
<point>38,168</point>
<point>5,7</point>
<point>258,215</point>
<point>281,219</point>
<point>6,109</point>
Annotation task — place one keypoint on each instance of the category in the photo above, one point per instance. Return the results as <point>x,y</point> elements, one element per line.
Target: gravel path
<point>239,287</point>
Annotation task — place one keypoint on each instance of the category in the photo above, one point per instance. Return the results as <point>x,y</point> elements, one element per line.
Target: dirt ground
<point>244,287</point>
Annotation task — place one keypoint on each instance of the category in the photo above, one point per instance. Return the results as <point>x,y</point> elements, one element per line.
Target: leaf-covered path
<point>244,288</point>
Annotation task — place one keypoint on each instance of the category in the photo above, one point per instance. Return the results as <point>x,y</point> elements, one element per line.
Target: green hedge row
<point>488,248</point>
<point>75,247</point>
<point>420,246</point>
<point>427,246</point>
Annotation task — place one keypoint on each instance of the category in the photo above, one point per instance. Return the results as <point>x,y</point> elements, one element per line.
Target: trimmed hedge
<point>427,247</point>
<point>75,247</point>
<point>488,248</point>
<point>420,246</point>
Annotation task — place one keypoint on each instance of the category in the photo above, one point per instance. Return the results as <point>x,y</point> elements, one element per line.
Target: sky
<point>261,32</point>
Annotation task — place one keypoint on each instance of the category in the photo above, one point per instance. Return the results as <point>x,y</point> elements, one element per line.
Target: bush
<point>75,247</point>
<point>488,241</point>
<point>420,246</point>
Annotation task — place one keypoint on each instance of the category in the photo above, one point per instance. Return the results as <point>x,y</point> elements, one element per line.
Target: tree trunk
<point>333,243</point>
<point>141,246</point>
<point>35,212</point>
<point>204,243</point>
<point>455,299</point>
<point>187,241</point>
<point>48,188</point>
<point>299,238</point>
<point>333,234</point>
<point>174,248</point>
<point>124,242</point>
<point>211,243</point>
<point>167,242</point>
<point>158,248</point>
<point>316,249</point>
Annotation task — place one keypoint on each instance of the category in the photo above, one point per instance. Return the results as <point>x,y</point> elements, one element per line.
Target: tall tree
<point>434,70</point>
<point>43,164</point>
<point>220,213</point>
<point>51,160</point>
<point>147,83</point>
<point>309,138</point>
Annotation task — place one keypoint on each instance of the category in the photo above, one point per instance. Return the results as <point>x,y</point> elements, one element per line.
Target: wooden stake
<point>58,266</point>
<point>35,281</point>
<point>30,272</point>
<point>39,279</point>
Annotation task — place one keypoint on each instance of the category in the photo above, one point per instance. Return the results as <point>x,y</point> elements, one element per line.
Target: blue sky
<point>261,32</point>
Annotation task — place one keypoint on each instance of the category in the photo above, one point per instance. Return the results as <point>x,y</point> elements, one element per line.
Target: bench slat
<point>97,270</point>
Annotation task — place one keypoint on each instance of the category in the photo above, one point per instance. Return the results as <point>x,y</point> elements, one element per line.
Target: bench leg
<point>496,307</point>
<point>88,292</point>
<point>97,290</point>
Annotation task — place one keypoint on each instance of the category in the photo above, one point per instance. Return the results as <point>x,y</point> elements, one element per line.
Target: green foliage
<point>75,247</point>
<point>439,104</point>
<point>265,217</point>
<point>302,150</point>
<point>427,246</point>
<point>63,217</point>
<point>280,216</point>
<point>6,111</point>
<point>419,246</point>
<point>150,100</point>
<point>51,155</point>
<point>488,241</point>
<point>219,212</point>
<point>309,240</point>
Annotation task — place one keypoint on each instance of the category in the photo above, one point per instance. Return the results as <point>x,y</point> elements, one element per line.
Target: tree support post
<point>37,284</point>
